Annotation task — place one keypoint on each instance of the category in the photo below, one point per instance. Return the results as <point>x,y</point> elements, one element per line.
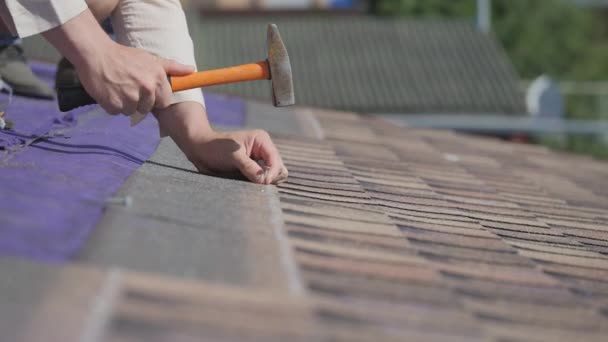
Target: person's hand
<point>227,152</point>
<point>121,79</point>
<point>128,80</point>
<point>214,152</point>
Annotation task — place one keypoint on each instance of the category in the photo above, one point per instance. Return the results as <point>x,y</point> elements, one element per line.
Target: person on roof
<point>129,75</point>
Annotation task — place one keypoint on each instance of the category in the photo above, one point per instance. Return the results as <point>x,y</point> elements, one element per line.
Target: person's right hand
<point>121,79</point>
<point>129,80</point>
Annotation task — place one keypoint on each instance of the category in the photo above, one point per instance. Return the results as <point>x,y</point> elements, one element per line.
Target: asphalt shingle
<point>169,234</point>
<point>388,234</point>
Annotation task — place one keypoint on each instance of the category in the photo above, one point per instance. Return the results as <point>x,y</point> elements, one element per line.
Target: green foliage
<point>583,144</point>
<point>427,8</point>
<point>551,37</point>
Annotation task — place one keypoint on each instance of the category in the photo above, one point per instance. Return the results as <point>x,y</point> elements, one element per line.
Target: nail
<point>266,169</point>
<point>125,201</point>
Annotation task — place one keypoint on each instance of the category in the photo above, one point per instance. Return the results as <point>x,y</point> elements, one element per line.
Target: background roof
<point>368,64</point>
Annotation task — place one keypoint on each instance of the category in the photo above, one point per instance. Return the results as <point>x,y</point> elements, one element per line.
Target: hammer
<point>275,68</point>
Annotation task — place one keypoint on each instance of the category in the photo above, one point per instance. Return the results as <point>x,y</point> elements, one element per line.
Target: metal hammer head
<point>280,69</point>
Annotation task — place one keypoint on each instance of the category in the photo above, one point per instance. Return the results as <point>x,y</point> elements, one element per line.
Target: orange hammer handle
<point>240,73</point>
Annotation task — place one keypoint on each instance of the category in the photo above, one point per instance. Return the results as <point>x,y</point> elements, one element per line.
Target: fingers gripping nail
<point>249,168</point>
<point>273,163</point>
<point>265,176</point>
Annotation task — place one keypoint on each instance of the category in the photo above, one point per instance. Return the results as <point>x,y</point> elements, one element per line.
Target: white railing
<point>500,124</point>
<point>597,91</point>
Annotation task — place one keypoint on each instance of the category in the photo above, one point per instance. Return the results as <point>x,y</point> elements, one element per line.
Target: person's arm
<point>80,38</point>
<point>219,152</point>
<point>159,27</point>
<point>127,80</point>
<point>25,18</point>
<point>121,79</point>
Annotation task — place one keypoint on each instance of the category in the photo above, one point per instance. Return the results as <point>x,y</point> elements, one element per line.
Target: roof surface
<point>64,167</point>
<point>370,64</point>
<point>381,234</point>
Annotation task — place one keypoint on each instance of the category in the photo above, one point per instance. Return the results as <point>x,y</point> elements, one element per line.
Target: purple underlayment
<point>57,169</point>
<point>225,110</point>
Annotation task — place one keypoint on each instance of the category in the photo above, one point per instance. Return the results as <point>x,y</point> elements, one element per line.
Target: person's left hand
<point>225,152</point>
<point>214,152</point>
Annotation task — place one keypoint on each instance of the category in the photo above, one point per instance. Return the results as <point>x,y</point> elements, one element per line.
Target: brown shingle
<point>475,212</point>
<point>376,242</point>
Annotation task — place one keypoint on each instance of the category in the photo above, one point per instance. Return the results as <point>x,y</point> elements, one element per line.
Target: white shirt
<point>34,16</point>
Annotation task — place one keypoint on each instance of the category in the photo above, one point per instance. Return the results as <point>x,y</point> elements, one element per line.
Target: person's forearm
<point>80,39</point>
<point>214,152</point>
<point>184,122</point>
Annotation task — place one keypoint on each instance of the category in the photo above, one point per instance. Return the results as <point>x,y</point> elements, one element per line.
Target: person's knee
<point>102,9</point>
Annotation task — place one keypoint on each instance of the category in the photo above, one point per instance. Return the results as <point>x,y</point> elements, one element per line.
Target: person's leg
<point>15,71</point>
<point>7,38</point>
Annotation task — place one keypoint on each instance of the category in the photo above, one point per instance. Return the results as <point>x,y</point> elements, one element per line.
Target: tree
<point>426,8</point>
<point>551,37</point>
